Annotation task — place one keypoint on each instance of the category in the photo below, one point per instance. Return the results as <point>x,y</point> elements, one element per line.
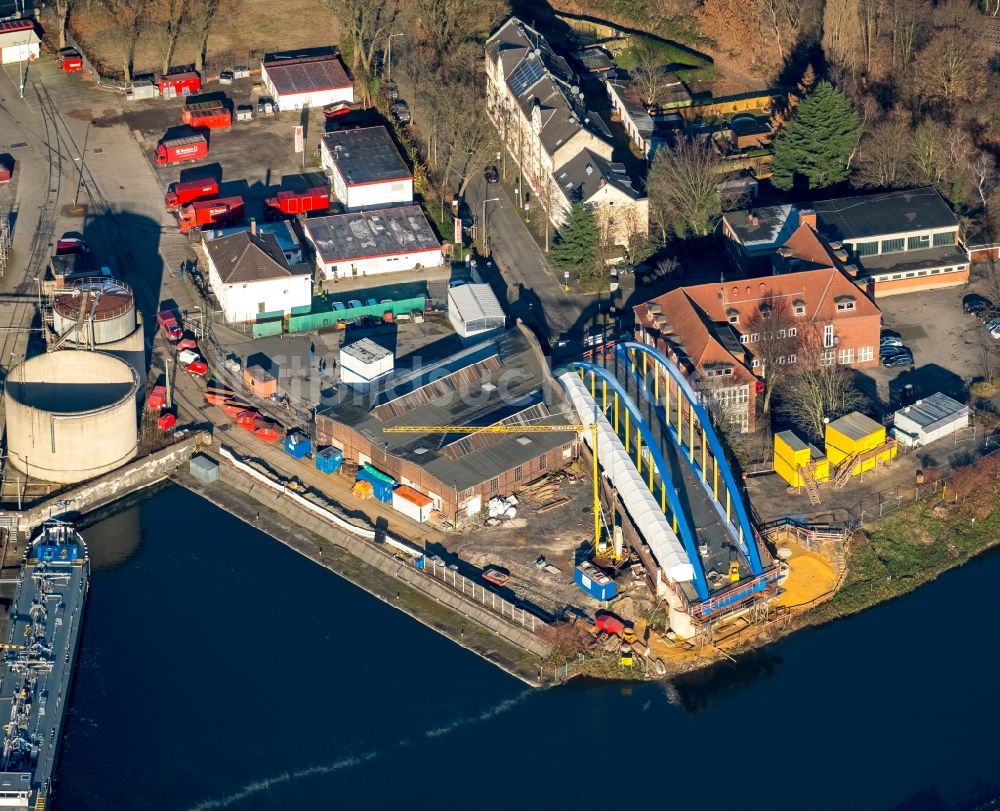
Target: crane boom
<point>531,428</point>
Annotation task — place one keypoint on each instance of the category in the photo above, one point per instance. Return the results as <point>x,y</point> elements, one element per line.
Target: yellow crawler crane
<point>521,429</point>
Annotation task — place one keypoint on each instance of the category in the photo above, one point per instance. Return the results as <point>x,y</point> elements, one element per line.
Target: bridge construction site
<point>683,513</point>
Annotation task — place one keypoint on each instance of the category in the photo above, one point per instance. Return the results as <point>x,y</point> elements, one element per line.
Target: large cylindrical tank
<point>71,416</point>
<point>108,309</point>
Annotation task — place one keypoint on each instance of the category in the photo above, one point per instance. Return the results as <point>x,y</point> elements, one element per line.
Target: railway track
<point>21,316</point>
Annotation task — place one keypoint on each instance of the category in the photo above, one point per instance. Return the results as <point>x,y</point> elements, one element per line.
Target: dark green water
<point>221,670</point>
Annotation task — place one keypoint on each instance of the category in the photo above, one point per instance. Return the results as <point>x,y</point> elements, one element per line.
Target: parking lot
<point>950,348</point>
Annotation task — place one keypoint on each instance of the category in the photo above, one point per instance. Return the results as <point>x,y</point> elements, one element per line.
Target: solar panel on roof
<point>525,75</point>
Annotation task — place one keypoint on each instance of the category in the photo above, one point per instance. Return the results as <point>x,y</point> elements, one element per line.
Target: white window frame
<point>827,336</point>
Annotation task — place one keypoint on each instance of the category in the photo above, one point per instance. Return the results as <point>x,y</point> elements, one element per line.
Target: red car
<point>70,244</point>
<point>199,368</point>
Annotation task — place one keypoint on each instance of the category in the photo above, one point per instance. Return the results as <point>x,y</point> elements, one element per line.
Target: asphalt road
<point>533,292</point>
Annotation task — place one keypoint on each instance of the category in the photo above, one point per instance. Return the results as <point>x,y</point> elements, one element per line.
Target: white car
<point>187,356</point>
<point>995,332</point>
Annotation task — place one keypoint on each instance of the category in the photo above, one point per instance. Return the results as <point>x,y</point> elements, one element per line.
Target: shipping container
<point>189,191</point>
<point>181,150</point>
<point>297,445</point>
<point>5,173</point>
<point>290,202</point>
<point>610,624</point>
<point>382,483</point>
<point>412,503</point>
<point>203,468</point>
<point>593,581</point>
<point>225,210</point>
<point>329,460</point>
<point>179,84</point>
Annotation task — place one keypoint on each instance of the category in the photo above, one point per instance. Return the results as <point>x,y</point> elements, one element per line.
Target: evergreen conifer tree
<point>576,246</point>
<point>819,140</point>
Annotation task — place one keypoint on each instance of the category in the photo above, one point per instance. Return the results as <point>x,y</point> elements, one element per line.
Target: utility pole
<point>388,58</point>
<point>79,182</point>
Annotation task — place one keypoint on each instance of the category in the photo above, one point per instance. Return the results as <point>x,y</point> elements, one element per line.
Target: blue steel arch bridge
<point>691,512</point>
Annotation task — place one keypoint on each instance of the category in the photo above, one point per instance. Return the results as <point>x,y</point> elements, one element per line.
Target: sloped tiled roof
<point>247,257</point>
<point>579,185</point>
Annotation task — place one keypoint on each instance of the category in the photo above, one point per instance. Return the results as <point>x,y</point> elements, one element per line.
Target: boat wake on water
<point>267,783</point>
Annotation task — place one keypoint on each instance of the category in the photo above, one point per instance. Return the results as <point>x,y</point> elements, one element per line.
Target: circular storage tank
<point>108,308</point>
<point>71,415</point>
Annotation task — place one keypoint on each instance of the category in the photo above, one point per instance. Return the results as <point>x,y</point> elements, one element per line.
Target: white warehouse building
<point>307,79</point>
<point>250,277</point>
<point>929,419</point>
<point>364,362</point>
<point>18,42</point>
<point>366,169</point>
<point>475,311</point>
<point>366,243</point>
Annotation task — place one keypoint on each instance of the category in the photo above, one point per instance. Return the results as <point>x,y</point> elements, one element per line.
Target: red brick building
<point>711,330</point>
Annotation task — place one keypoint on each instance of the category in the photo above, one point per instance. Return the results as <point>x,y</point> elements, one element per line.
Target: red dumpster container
<point>5,173</point>
<point>72,62</point>
<point>609,624</point>
<point>179,84</point>
<point>199,368</point>
<point>208,114</point>
<point>268,433</point>
<point>180,150</point>
<point>166,422</point>
<point>290,202</point>
<point>247,419</point>
<point>189,191</point>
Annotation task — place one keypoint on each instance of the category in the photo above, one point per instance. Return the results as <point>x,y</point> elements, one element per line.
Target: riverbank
<point>241,499</point>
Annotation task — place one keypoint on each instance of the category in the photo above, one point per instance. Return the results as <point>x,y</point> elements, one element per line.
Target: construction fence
<point>490,599</point>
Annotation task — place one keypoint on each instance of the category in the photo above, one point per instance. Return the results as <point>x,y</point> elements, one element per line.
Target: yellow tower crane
<point>520,429</point>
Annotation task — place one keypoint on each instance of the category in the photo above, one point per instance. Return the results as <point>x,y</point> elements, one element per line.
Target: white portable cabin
<point>927,420</point>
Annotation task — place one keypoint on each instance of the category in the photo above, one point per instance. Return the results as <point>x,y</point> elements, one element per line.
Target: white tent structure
<point>666,547</point>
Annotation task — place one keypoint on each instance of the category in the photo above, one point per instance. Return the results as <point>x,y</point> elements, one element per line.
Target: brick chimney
<point>807,216</point>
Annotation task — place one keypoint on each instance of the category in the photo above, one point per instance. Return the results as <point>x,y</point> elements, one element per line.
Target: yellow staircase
<point>812,488</point>
<point>846,468</point>
<point>40,803</point>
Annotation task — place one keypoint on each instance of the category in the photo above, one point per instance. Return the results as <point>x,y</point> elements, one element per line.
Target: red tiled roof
<point>807,246</point>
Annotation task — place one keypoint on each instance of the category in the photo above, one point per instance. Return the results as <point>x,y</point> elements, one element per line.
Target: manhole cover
<point>99,151</point>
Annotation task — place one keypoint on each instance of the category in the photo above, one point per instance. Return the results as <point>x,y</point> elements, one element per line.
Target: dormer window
<point>733,316</point>
<point>799,306</point>
<point>844,303</point>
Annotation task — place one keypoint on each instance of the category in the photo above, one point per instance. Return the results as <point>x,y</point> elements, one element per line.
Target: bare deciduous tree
<point>368,23</point>
<point>883,160</point>
<point>446,23</point>
<point>777,346</point>
<point>208,10</point>
<point>63,9</point>
<point>685,189</point>
<point>176,14</point>
<point>130,17</point>
<point>649,76</point>
<point>817,388</point>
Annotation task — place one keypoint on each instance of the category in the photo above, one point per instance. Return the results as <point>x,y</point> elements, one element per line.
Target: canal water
<point>220,670</point>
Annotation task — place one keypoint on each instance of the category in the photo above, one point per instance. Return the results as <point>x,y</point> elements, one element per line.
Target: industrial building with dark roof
<point>502,381</point>
<point>368,242</point>
<point>312,78</point>
<point>366,168</point>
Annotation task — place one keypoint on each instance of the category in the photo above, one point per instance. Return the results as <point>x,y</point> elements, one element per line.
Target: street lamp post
<point>486,233</point>
<point>388,58</point>
<point>38,283</point>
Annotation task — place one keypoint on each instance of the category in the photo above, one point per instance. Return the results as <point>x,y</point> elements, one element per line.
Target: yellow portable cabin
<point>859,442</point>
<point>792,455</point>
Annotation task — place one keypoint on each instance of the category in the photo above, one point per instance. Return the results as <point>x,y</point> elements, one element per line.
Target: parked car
<point>371,303</point>
<point>903,357</point>
<point>995,332</point>
<point>890,340</point>
<point>456,283</point>
<point>891,349</point>
<point>973,303</point>
<point>986,314</point>
<point>391,91</point>
<point>491,175</point>
<point>401,110</point>
<point>354,304</point>
<point>338,306</point>
<point>226,77</point>
<point>993,322</point>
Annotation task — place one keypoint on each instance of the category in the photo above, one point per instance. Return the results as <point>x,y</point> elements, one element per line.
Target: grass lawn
<point>671,54</point>
<point>907,549</point>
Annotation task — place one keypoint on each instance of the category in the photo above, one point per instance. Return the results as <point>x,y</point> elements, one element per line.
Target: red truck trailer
<point>208,114</point>
<point>181,150</point>
<point>223,211</point>
<point>179,84</point>
<point>291,202</point>
<point>189,191</point>
<point>167,320</point>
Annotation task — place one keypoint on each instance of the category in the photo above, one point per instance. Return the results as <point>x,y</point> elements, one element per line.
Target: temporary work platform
<point>856,444</point>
